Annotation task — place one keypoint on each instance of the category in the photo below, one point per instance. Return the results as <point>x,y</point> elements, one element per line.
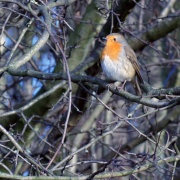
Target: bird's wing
<point>133,59</point>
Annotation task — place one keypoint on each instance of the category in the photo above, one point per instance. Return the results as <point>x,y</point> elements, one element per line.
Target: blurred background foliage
<point>80,128</point>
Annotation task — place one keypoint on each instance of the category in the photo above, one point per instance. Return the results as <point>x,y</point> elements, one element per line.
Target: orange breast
<point>112,49</point>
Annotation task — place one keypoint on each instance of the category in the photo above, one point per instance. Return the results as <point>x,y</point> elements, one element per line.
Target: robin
<point>119,61</point>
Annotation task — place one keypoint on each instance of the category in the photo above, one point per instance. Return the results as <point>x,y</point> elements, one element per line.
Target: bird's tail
<point>136,82</point>
<point>139,77</point>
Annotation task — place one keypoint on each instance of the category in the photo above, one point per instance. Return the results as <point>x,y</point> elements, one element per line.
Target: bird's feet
<point>118,86</point>
<point>109,85</point>
<point>121,87</point>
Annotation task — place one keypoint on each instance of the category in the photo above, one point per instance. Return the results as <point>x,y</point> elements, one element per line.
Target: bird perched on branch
<point>119,61</point>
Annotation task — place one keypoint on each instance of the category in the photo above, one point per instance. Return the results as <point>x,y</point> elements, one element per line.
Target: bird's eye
<point>114,39</point>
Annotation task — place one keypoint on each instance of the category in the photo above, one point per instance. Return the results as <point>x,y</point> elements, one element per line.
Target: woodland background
<point>58,119</point>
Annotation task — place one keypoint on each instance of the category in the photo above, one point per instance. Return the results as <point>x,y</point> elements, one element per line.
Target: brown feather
<point>130,54</point>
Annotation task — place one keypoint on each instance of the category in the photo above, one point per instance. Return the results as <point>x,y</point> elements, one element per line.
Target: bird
<point>119,62</point>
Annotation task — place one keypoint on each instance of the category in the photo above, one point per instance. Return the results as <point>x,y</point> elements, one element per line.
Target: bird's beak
<point>104,38</point>
<point>101,39</point>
